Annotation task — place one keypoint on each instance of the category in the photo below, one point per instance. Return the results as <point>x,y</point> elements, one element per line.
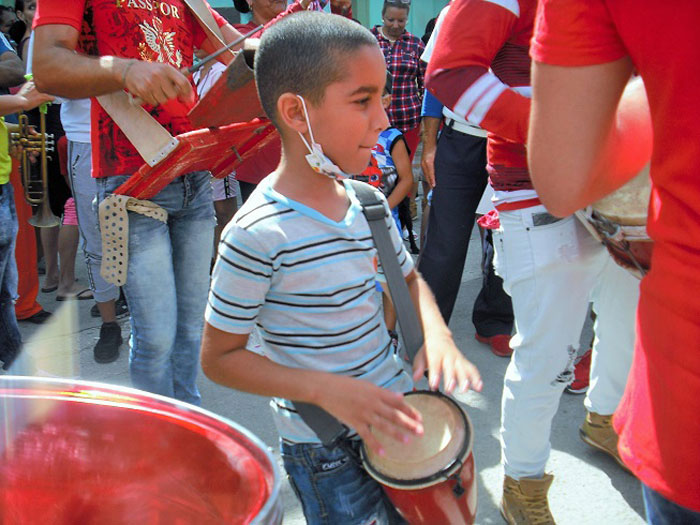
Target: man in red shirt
<point>551,267</point>
<point>140,46</point>
<point>584,55</point>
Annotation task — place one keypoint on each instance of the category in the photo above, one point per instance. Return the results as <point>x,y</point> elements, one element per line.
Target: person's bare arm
<point>11,70</point>
<point>359,404</point>
<point>586,138</point>
<point>27,98</point>
<point>439,355</point>
<point>429,133</point>
<point>404,182</point>
<point>59,70</point>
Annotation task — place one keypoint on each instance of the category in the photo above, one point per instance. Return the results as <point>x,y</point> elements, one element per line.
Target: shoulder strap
<point>375,212</point>
<point>327,427</point>
<point>203,15</point>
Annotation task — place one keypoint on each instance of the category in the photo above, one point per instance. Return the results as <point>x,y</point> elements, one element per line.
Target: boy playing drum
<point>298,261</point>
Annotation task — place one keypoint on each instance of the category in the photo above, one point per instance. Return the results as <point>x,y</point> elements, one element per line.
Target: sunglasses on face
<point>399,2</point>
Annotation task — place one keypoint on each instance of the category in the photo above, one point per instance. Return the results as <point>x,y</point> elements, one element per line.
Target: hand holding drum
<point>366,408</point>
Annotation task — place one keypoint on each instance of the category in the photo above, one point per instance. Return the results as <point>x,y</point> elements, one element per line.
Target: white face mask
<point>318,161</point>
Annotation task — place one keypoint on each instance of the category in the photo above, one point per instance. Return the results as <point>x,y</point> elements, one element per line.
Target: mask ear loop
<point>308,124</point>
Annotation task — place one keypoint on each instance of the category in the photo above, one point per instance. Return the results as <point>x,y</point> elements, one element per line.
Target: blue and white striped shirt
<point>308,283</point>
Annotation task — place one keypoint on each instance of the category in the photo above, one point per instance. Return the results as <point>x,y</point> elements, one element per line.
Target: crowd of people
<point>524,111</point>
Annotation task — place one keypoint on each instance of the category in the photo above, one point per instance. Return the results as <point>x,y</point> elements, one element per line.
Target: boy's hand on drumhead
<point>443,360</point>
<point>367,407</point>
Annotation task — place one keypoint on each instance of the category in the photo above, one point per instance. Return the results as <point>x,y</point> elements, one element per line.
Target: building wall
<point>369,12</point>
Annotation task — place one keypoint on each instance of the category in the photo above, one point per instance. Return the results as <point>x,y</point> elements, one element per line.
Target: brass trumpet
<point>36,191</point>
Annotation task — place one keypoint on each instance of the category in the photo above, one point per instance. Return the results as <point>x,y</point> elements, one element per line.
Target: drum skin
<point>431,479</point>
<point>78,452</point>
<point>626,209</point>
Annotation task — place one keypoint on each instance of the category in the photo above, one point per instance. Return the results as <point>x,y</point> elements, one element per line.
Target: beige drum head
<point>628,205</point>
<point>445,431</point>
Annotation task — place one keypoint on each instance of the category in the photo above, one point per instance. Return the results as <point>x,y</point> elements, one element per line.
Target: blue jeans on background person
<point>83,186</point>
<point>167,285</point>
<point>663,511</point>
<point>10,339</point>
<point>333,488</point>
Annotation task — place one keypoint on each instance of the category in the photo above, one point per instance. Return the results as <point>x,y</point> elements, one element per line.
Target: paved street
<point>589,488</point>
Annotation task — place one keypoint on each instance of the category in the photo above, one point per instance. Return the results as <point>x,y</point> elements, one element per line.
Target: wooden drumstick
<point>188,71</point>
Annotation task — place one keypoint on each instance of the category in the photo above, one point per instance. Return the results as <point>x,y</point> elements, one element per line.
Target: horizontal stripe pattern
<point>308,284</point>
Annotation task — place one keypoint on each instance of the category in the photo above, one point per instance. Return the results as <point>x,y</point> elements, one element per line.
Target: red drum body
<point>619,221</point>
<point>430,480</point>
<point>79,452</point>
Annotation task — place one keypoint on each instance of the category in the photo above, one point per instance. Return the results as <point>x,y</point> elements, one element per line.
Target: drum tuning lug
<point>458,489</point>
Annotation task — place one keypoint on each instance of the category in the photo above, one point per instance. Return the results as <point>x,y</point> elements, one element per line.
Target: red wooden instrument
<point>218,150</point>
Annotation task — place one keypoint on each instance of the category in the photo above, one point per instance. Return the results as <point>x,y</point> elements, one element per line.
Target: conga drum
<point>431,479</point>
<point>619,221</point>
<point>89,453</point>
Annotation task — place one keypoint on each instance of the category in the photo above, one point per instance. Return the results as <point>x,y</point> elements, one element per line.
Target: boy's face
<point>351,116</point>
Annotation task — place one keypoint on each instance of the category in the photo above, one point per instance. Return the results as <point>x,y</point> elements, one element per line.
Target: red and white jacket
<point>481,70</point>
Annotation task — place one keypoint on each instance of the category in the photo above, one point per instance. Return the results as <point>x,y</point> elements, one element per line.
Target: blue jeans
<point>83,187</point>
<point>167,285</point>
<point>662,511</point>
<point>333,488</point>
<point>10,340</point>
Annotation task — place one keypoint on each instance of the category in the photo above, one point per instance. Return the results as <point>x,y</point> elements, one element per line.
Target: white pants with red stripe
<point>552,270</point>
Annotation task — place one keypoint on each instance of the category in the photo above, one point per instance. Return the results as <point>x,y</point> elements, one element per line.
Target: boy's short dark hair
<point>303,53</point>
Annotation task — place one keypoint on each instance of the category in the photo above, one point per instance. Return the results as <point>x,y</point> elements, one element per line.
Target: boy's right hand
<point>362,406</point>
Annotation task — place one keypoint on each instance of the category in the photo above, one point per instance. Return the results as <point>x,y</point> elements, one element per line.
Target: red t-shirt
<point>659,416</point>
<point>163,31</point>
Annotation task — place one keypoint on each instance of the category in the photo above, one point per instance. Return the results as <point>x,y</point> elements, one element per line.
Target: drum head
<point>628,205</point>
<point>431,457</point>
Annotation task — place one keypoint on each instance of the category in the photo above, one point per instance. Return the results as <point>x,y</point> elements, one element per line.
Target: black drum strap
<point>328,428</point>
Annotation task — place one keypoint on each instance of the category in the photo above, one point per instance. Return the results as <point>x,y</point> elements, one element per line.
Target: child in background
<point>298,262</point>
<point>390,171</point>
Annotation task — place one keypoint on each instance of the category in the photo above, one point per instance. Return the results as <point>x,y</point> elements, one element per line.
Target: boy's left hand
<point>441,357</point>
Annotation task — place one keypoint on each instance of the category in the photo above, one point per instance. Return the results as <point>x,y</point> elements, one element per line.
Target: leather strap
<point>201,12</point>
<point>146,134</point>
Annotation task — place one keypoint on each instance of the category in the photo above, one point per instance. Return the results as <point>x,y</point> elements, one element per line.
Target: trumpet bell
<point>43,217</point>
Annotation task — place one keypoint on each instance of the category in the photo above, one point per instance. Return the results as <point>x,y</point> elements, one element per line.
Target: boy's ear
<point>290,112</point>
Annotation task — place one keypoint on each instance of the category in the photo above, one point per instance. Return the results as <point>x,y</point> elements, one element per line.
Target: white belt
<point>467,129</point>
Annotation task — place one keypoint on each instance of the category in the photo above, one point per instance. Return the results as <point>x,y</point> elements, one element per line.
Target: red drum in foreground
<point>78,452</point>
<point>431,479</point>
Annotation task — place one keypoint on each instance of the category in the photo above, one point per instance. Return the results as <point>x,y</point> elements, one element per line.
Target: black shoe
<point>38,318</point>
<point>107,347</point>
